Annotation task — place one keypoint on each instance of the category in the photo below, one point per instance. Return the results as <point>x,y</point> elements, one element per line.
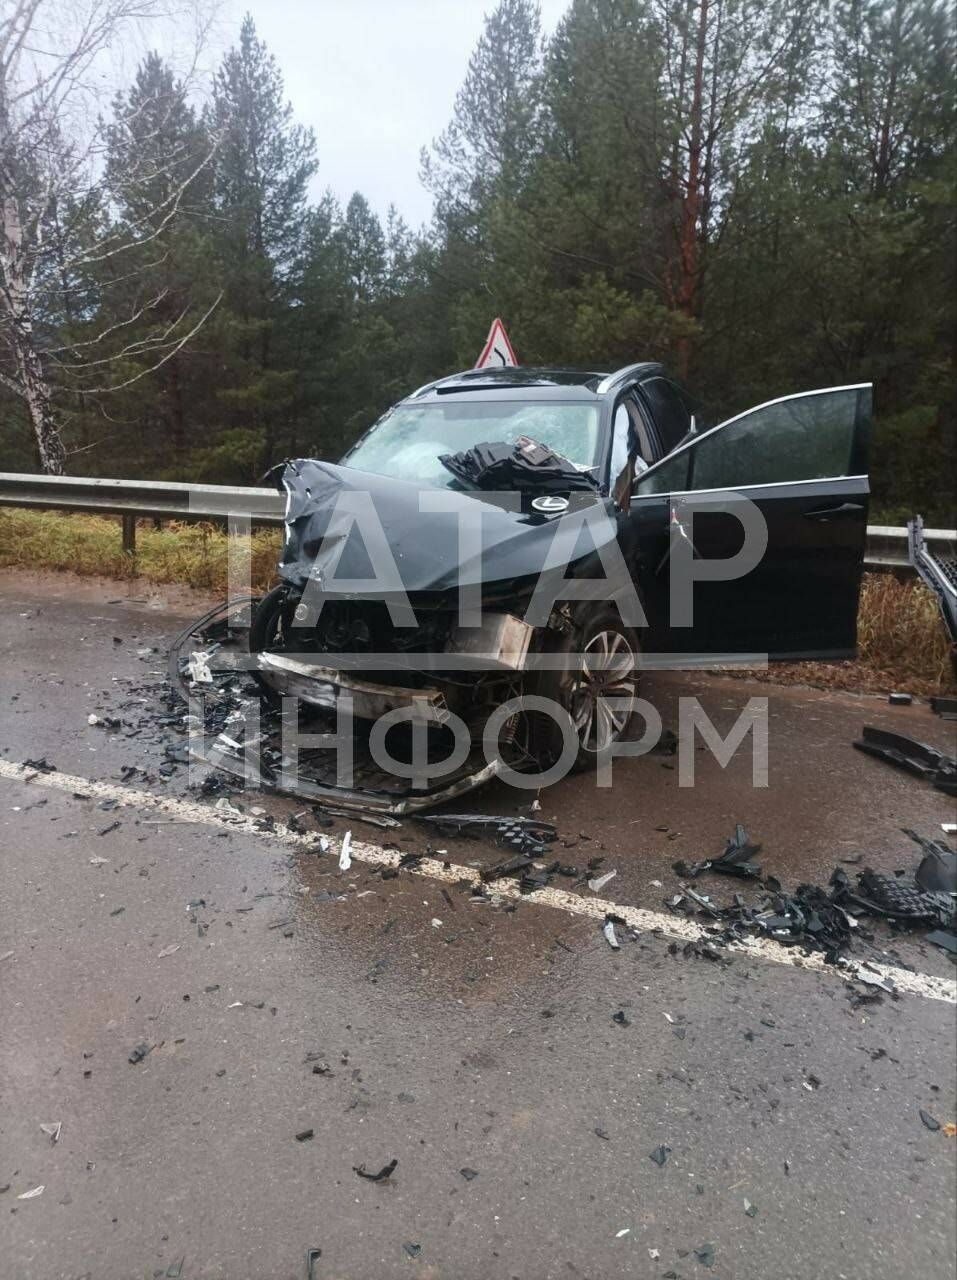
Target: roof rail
<point>611,380</point>
<point>435,382</point>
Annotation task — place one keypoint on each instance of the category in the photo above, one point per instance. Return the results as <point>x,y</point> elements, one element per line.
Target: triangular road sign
<point>497,352</point>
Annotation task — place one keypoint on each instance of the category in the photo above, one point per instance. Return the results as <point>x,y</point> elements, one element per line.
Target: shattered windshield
<point>407,443</point>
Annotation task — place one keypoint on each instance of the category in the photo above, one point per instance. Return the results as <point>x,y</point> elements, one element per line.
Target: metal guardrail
<point>169,500</point>
<point>141,499</point>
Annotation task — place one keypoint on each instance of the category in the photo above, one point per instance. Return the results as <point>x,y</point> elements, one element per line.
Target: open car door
<point>802,461</point>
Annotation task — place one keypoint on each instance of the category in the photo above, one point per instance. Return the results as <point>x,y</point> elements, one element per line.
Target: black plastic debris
<point>42,765</point>
<point>937,872</point>
<point>601,1133</point>
<point>660,1155</point>
<point>901,898</point>
<point>510,867</point>
<point>915,757</point>
<point>608,929</point>
<point>930,1122</point>
<point>468,1174</point>
<point>139,1052</point>
<point>705,1255</point>
<point>946,708</point>
<point>502,829</point>
<point>946,939</point>
<point>413,1250</point>
<point>385,1172</point>
<point>621,1018</point>
<point>305,1135</point>
<point>899,699</point>
<point>735,861</point>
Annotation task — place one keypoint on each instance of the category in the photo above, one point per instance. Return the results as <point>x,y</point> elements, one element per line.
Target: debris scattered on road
<point>735,861</point>
<point>168,951</point>
<point>52,1131</point>
<point>197,667</point>
<point>312,1257</point>
<point>305,1135</point>
<point>345,852</point>
<point>413,1250</point>
<point>608,929</point>
<point>915,757</point>
<point>900,699</point>
<point>750,1209</point>
<point>139,1052</point>
<point>937,872</point>
<point>625,1231</point>
<point>385,1172</point>
<point>946,708</point>
<point>598,883</point>
<point>621,1018</point>
<point>946,939</point>
<point>103,722</point>
<point>33,1193</point>
<point>705,1255</point>
<point>930,1122</point>
<point>468,1174</point>
<point>42,765</point>
<point>660,1155</point>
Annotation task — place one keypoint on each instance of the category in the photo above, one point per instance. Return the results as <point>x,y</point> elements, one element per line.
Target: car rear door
<point>802,461</point>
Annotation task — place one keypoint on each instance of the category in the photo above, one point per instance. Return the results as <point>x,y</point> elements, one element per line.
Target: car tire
<point>266,626</point>
<point>608,661</point>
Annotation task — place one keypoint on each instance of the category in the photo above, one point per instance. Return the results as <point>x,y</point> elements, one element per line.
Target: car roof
<point>518,382</point>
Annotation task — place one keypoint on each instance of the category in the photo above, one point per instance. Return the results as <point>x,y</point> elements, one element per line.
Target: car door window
<point>670,476</point>
<point>815,436</point>
<point>629,427</point>
<point>619,442</point>
<point>668,410</point>
<point>807,437</point>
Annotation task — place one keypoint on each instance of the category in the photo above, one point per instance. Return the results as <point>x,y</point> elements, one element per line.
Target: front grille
<point>359,627</point>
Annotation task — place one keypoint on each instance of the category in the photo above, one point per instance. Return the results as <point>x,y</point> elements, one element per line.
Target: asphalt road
<point>484,1042</point>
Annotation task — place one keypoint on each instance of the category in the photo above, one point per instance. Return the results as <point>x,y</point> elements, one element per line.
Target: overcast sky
<point>376,79</point>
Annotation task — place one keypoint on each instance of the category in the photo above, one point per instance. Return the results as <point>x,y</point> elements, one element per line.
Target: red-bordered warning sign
<point>497,352</point>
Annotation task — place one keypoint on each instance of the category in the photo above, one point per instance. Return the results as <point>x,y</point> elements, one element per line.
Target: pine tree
<point>264,163</point>
<point>488,145</point>
<point>155,145</point>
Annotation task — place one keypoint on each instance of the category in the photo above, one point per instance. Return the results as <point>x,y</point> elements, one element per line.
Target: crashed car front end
<point>369,615</point>
<point>407,618</point>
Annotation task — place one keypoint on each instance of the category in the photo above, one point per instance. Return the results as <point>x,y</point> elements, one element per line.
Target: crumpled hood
<point>328,518</point>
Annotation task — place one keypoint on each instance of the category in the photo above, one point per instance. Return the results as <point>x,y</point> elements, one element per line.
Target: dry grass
<point>902,642</point>
<point>194,555</point>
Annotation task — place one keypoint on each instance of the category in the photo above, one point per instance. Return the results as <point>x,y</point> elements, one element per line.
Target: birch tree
<point>62,238</point>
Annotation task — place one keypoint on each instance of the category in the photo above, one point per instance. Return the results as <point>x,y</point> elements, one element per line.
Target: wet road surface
<point>484,1042</point>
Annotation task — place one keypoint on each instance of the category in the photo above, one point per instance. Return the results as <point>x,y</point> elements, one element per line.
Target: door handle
<point>844,512</point>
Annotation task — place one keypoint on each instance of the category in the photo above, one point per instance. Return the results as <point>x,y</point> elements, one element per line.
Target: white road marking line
<point>669,926</point>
